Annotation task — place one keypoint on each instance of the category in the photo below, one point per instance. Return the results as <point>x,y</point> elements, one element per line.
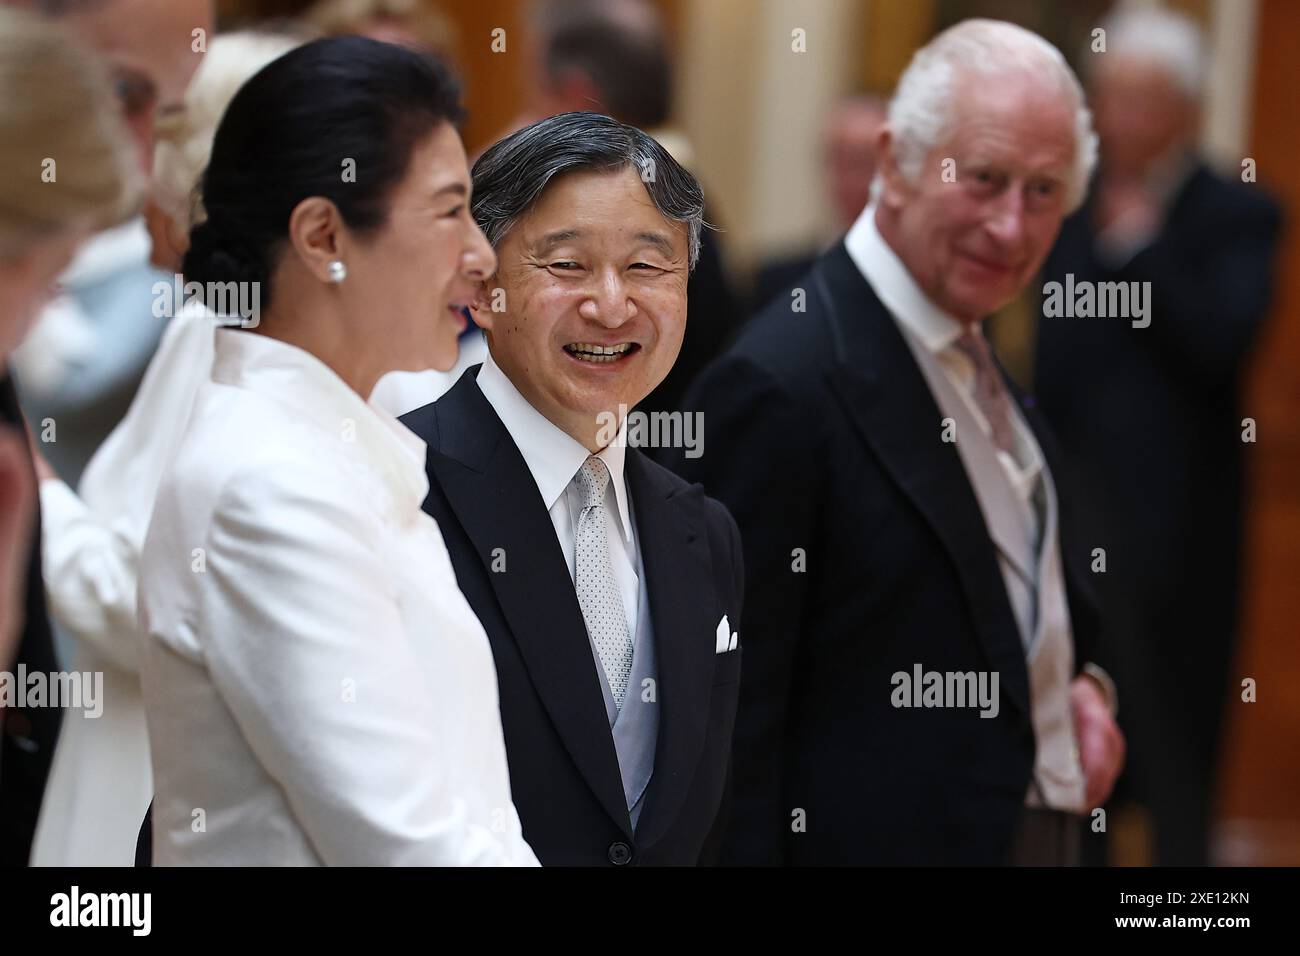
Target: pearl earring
<point>338,271</point>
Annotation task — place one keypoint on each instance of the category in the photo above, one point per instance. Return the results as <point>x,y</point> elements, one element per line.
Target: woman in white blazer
<point>100,782</point>
<point>317,689</point>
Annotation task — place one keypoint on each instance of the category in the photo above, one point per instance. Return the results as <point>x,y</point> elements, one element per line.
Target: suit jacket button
<point>620,854</point>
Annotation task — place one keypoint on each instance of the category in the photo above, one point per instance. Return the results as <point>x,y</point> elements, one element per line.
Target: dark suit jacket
<point>1158,439</point>
<point>564,773</point>
<point>30,733</point>
<point>866,553</point>
<point>777,276</point>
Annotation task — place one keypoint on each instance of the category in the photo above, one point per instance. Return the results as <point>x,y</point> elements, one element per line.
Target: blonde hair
<point>185,142</point>
<point>65,154</point>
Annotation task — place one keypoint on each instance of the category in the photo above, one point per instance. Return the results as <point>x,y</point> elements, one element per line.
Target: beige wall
<point>1231,31</point>
<point>753,109</point>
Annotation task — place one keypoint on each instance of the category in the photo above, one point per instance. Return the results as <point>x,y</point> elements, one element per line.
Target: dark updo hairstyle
<point>287,135</point>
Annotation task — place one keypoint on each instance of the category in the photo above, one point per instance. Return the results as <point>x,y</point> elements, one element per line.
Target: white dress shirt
<point>553,458</point>
<point>317,688</point>
<point>937,331</point>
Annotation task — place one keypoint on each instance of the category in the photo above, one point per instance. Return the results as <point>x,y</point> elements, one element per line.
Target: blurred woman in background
<point>66,170</point>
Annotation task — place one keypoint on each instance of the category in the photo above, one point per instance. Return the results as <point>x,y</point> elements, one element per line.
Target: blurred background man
<point>1151,417</point>
<point>849,155</point>
<point>414,23</point>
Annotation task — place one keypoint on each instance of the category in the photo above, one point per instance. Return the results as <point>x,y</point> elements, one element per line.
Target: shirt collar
<point>295,378</point>
<point>552,455</point>
<point>896,288</point>
<point>934,328</point>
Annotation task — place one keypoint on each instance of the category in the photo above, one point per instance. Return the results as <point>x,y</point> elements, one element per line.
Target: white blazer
<point>317,689</point>
<point>101,783</point>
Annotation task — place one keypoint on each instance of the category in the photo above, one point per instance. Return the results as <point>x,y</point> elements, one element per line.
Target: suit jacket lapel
<point>677,569</point>
<point>493,494</point>
<point>885,394</point>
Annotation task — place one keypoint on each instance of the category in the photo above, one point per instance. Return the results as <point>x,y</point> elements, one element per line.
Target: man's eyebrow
<point>553,239</point>
<point>659,241</point>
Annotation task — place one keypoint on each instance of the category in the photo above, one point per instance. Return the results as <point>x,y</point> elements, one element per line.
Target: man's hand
<point>1101,744</point>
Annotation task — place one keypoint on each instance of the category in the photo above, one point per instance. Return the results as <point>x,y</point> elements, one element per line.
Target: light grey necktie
<point>990,391</point>
<point>598,594</point>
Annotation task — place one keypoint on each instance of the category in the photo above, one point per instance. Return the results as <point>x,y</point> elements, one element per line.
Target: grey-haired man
<point>918,686</point>
<point>610,589</point>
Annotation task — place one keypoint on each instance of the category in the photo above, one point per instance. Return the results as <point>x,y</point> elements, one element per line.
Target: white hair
<point>1165,38</point>
<point>185,144</point>
<point>921,111</point>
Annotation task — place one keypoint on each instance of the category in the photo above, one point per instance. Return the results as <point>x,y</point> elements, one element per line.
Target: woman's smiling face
<point>424,266</point>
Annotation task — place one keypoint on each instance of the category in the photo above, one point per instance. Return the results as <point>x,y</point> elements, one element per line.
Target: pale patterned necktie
<point>990,393</point>
<point>598,593</point>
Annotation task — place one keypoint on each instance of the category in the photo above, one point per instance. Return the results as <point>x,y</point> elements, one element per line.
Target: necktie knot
<point>592,479</point>
<point>974,347</point>
<point>990,393</point>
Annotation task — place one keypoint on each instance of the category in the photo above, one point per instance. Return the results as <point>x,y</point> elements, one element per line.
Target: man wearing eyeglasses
<point>97,339</point>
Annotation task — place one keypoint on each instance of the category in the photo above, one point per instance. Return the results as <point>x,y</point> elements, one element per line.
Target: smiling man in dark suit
<point>604,582</point>
<point>904,516</point>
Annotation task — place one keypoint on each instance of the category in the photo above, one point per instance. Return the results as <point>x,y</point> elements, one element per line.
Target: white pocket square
<point>723,639</point>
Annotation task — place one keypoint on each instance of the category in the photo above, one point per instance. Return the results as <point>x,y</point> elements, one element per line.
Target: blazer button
<point>620,854</point>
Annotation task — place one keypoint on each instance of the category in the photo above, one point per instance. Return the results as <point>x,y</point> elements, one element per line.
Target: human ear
<point>894,184</point>
<point>316,234</point>
<point>481,308</point>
